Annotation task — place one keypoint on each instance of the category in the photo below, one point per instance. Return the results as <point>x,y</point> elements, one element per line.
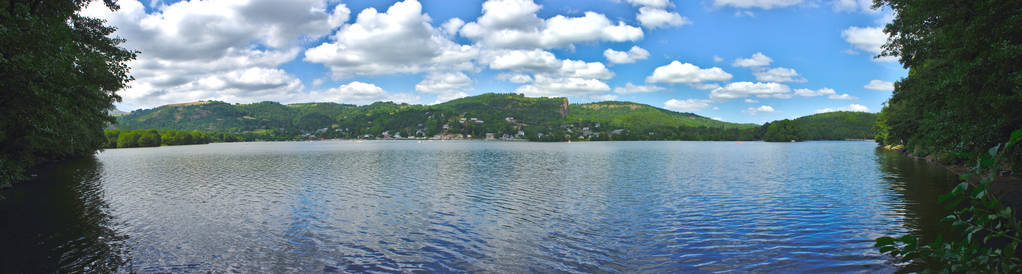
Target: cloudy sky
<point>735,60</point>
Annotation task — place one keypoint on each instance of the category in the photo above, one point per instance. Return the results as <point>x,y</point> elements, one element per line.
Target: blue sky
<point>748,61</point>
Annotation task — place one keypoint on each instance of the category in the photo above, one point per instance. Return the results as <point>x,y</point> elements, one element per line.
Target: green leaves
<point>981,220</point>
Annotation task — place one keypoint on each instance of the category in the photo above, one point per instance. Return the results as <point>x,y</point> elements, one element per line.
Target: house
<point>520,134</point>
<point>446,126</point>
<point>489,136</point>
<point>509,119</point>
<point>322,130</point>
<point>617,131</point>
<point>462,120</point>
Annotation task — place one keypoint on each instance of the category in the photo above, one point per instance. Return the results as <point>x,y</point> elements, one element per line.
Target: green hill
<point>840,125</point>
<point>503,115</point>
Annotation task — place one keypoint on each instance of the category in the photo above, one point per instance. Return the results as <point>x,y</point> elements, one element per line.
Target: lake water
<point>342,206</point>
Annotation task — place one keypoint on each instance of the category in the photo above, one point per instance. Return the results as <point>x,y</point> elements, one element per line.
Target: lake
<point>471,206</point>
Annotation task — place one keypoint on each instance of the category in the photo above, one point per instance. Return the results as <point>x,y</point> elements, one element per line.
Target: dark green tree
<point>59,71</point>
<point>964,88</point>
<point>784,131</point>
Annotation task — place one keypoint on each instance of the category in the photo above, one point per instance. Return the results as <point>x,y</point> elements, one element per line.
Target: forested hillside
<point>503,115</point>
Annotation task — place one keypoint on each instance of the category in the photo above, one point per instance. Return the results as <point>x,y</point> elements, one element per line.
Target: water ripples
<point>339,206</point>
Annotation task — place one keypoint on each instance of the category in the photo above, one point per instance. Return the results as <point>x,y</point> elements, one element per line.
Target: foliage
<point>991,232</point>
<point>838,125</point>
<point>154,138</point>
<point>59,71</point>
<point>964,86</point>
<point>784,131</point>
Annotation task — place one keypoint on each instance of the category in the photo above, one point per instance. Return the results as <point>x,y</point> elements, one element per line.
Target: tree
<point>59,71</point>
<point>149,138</point>
<point>784,131</point>
<point>964,86</point>
<point>127,139</point>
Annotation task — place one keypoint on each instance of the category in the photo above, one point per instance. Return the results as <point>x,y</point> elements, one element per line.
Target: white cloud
<point>535,60</point>
<point>237,39</point>
<point>747,89</point>
<point>400,40</point>
<point>631,88</point>
<point>517,78</point>
<point>763,108</point>
<point>718,59</point>
<point>514,24</point>
<point>804,92</point>
<point>583,69</point>
<point>452,26</point>
<point>854,5</point>
<point>622,57</point>
<point>757,60</point>
<point>717,118</point>
<point>440,83</point>
<point>831,94</point>
<point>852,107</point>
<point>650,3</point>
<point>844,96</point>
<point>751,101</point>
<point>688,105</point>
<point>685,73</point>
<point>360,93</point>
<point>652,18</point>
<point>763,4</point>
<point>543,85</point>
<point>868,39</point>
<point>879,85</point>
<point>778,75</point>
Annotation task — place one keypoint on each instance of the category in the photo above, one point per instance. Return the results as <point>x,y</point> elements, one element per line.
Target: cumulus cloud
<point>400,40</point>
<point>622,57</point>
<point>868,39</point>
<point>548,86</point>
<point>852,107</point>
<point>238,38</point>
<point>763,108</point>
<point>685,73</point>
<point>452,26</point>
<point>854,5</point>
<point>360,93</point>
<point>757,60</point>
<point>650,3</point>
<point>517,78</point>
<point>718,59</point>
<point>583,69</point>
<point>762,4</point>
<point>652,18</point>
<point>443,82</point>
<point>879,85</point>
<point>632,88</point>
<point>778,75</point>
<point>747,89</point>
<point>844,96</point>
<point>535,60</point>
<point>751,101</point>
<point>514,24</point>
<point>804,92</point>
<point>688,105</point>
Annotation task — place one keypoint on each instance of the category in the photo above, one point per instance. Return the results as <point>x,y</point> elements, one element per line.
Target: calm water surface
<point>341,206</point>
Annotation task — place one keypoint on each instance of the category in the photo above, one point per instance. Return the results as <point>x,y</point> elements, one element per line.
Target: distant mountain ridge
<point>488,115</point>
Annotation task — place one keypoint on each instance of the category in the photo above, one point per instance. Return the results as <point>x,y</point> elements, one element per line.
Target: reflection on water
<point>472,206</point>
<point>60,222</point>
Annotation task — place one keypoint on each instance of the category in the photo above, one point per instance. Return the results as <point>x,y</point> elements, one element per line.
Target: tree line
<point>116,138</point>
<point>60,72</point>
